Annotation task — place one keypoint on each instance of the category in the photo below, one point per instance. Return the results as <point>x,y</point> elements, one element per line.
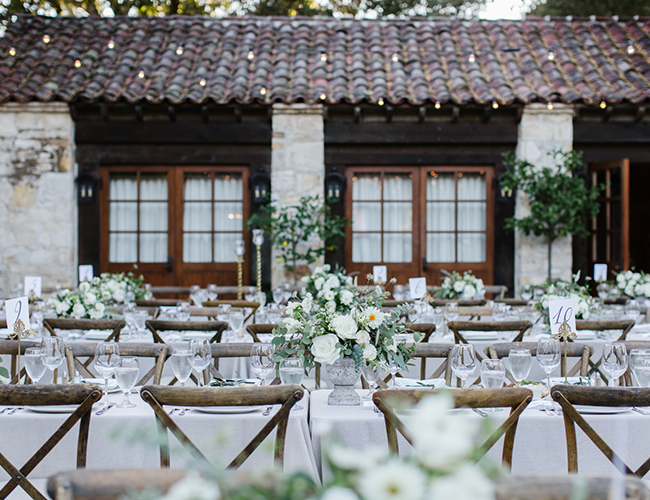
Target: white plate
<point>601,410</point>
<point>560,380</point>
<point>97,334</point>
<point>112,384</point>
<point>478,336</point>
<point>227,409</point>
<point>586,335</point>
<point>53,408</point>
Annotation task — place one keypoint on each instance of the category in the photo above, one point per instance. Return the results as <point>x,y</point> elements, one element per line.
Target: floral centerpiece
<point>466,286</point>
<point>327,288</point>
<point>566,289</point>
<point>633,284</point>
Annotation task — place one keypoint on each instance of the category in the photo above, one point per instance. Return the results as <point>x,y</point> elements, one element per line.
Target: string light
<point>495,104</point>
<point>630,47</point>
<point>471,57</point>
<point>380,101</point>
<point>395,57</point>
<point>141,74</point>
<point>323,96</point>
<point>251,54</point>
<point>77,64</point>
<point>12,51</point>
<point>179,50</point>
<point>437,105</point>
<point>111,44</point>
<point>46,38</point>
<point>263,91</point>
<point>323,56</point>
<point>202,82</point>
<point>551,54</point>
<point>603,104</point>
<point>549,105</point>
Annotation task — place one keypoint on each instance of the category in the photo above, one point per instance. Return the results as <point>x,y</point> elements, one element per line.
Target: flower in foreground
<point>324,349</point>
<point>374,316</point>
<point>193,487</point>
<point>338,493</point>
<point>393,480</point>
<point>352,459</point>
<point>467,483</point>
<point>345,327</point>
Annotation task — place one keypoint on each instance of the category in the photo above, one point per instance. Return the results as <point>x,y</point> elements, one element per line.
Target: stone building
<point>131,143</point>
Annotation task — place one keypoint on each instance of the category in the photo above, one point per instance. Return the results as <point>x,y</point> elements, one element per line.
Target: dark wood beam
<point>607,114</point>
<point>326,114</point>
<point>103,112</point>
<point>389,114</point>
<point>519,114</point>
<point>611,133</point>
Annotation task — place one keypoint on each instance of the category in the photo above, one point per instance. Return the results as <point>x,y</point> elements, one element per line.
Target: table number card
<point>33,285</point>
<point>17,309</point>
<point>559,311</point>
<point>380,274</point>
<point>417,287</point>
<point>85,273</point>
<point>600,272</point>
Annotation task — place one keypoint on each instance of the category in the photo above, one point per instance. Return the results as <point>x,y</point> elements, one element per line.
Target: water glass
<point>614,361</point>
<point>34,363</point>
<point>371,375</point>
<point>261,361</point>
<point>549,356</point>
<point>463,361</point>
<point>183,311</point>
<point>107,358</point>
<point>292,371</point>
<point>278,294</point>
<point>201,356</point>
<point>499,311</point>
<point>493,373</point>
<point>237,321</point>
<point>633,356</point>
<point>196,295</point>
<point>140,317</point>
<point>641,369</point>
<point>438,319</point>
<point>398,292</point>
<point>261,298</point>
<point>451,311</point>
<point>526,292</point>
<point>212,292</point>
<point>127,374</point>
<point>603,290</point>
<point>53,351</point>
<point>632,310</point>
<point>223,312</point>
<point>520,362</point>
<point>182,365</point>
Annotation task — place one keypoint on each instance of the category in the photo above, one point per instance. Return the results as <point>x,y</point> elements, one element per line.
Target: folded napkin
<point>413,383</point>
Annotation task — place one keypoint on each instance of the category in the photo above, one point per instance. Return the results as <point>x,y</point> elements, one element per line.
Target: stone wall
<point>297,161</point>
<point>541,131</point>
<point>38,218</point>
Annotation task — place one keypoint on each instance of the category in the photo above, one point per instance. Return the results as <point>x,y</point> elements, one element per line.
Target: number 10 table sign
<point>561,313</point>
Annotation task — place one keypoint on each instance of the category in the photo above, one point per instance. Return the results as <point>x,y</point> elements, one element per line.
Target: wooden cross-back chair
<point>497,291</point>
<point>156,326</point>
<point>568,396</point>
<point>425,329</point>
<point>285,395</point>
<point>47,395</point>
<point>158,302</point>
<point>255,330</point>
<point>574,350</point>
<point>629,345</point>
<point>425,351</point>
<point>237,304</point>
<point>157,352</point>
<point>604,325</point>
<point>10,348</point>
<point>116,325</point>
<point>516,398</point>
<point>231,350</point>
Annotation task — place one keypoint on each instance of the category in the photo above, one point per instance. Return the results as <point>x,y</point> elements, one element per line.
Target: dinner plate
<point>97,334</point>
<point>227,409</point>
<point>478,336</point>
<point>53,408</point>
<point>601,410</point>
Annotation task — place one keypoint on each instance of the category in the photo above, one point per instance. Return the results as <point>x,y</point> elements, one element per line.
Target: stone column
<point>541,131</point>
<point>297,162</point>
<point>38,214</point>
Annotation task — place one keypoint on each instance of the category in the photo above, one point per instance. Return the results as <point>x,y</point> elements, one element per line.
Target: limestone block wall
<point>541,131</point>
<point>297,161</point>
<point>38,214</point>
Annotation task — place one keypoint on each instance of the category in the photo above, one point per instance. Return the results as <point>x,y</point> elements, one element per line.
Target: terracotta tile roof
<point>244,60</point>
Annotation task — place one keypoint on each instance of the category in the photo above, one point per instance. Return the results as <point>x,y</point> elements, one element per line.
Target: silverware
<point>105,409</point>
<point>172,411</point>
<point>181,411</point>
<point>15,409</point>
<point>267,412</point>
<point>480,412</point>
<point>3,410</point>
<point>641,411</point>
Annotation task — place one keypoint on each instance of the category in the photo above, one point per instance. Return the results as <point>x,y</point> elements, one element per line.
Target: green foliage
<point>584,8</point>
<point>293,229</point>
<point>3,372</point>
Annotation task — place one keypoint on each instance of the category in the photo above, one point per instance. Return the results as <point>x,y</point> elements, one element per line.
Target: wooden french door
<point>174,225</point>
<point>419,221</point>
<point>610,229</point>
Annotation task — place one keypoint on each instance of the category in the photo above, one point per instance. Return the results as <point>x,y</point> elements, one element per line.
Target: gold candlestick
<point>18,333</point>
<point>239,250</point>
<point>258,239</point>
<point>564,333</point>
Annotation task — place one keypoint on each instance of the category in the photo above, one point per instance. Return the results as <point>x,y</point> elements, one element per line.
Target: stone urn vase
<point>343,374</point>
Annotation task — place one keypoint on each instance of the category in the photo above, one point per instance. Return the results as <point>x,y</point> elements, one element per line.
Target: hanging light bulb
<point>551,54</point>
<point>179,50</point>
<point>323,96</point>
<point>77,64</point>
<point>549,105</point>
<point>141,74</point>
<point>251,54</point>
<point>495,104</point>
<point>630,47</point>
<point>111,44</point>
<point>471,57</point>
<point>46,38</point>
<point>323,56</point>
<point>202,82</point>
<point>263,91</point>
<point>603,104</point>
<point>437,105</point>
<point>12,51</point>
<point>380,101</point>
<point>395,57</point>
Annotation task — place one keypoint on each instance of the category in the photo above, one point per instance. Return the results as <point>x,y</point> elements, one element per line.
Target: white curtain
<point>366,216</point>
<point>154,194</point>
<point>197,216</point>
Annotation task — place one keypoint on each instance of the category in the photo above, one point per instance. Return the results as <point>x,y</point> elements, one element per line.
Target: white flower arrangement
<point>466,286</point>
<point>633,284</point>
<point>330,289</point>
<point>563,290</point>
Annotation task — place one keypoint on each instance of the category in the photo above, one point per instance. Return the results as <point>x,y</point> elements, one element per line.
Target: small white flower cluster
<point>468,286</point>
<point>332,290</point>
<point>633,284</point>
<point>564,290</point>
<point>193,487</point>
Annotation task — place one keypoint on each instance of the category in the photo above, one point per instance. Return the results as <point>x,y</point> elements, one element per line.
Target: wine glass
<point>603,290</point>
<point>196,296</point>
<point>182,365</point>
<point>201,356</point>
<point>261,298</point>
<point>526,292</point>
<point>128,312</point>
<point>53,353</point>
<point>633,356</point>
<point>614,361</point>
<point>127,373</point>
<point>237,321</point>
<point>261,360</point>
<point>520,362</point>
<point>183,311</point>
<point>107,358</point>
<point>140,317</point>
<point>371,375</point>
<point>463,361</point>
<point>499,311</point>
<point>278,294</point>
<point>292,371</point>
<point>223,312</point>
<point>34,363</point>
<point>632,310</point>
<point>451,311</point>
<point>393,369</point>
<point>438,320</point>
<point>548,356</point>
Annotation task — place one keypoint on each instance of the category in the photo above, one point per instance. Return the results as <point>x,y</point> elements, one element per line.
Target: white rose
<point>369,352</point>
<point>363,337</point>
<point>318,270</point>
<point>305,279</point>
<point>324,349</point>
<point>119,295</point>
<point>469,290</point>
<point>84,287</point>
<point>347,296</point>
<point>326,268</point>
<point>620,278</point>
<point>330,306</point>
<point>290,323</point>
<point>291,306</point>
<point>333,282</point>
<point>646,289</point>
<point>307,303</point>
<point>345,327</point>
<point>78,311</point>
<point>319,283</point>
<point>90,298</point>
<point>193,487</point>
<point>61,307</point>
<point>459,286</point>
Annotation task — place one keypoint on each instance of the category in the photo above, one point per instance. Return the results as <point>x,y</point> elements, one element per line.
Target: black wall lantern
<point>86,186</point>
<point>334,186</point>
<point>261,187</point>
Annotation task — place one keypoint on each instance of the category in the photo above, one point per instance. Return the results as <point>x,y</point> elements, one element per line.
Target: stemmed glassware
<point>451,311</point>
<point>278,295</point>
<point>526,292</point>
<point>393,369</point>
<point>201,356</point>
<point>438,320</point>
<point>292,371</point>
<point>34,363</point>
<point>548,356</point>
<point>520,363</point>
<point>463,361</point>
<point>183,311</point>
<point>640,358</point>
<point>237,321</point>
<point>107,358</point>
<point>371,375</point>
<point>614,361</point>
<point>261,361</point>
<point>53,351</point>
<point>127,373</point>
<point>182,365</point>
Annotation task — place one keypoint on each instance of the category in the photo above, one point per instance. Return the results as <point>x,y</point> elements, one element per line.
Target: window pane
<point>615,243</point>
<point>398,216</point>
<point>366,216</point>
<point>197,216</point>
<point>398,247</point>
<point>123,216</point>
<point>441,216</point>
<point>398,187</point>
<point>224,247</point>
<point>615,182</point>
<point>615,207</point>
<point>197,247</point>
<point>228,216</point>
<point>366,247</point>
<point>601,218</point>
<point>228,187</point>
<point>471,216</point>
<point>366,187</point>
<point>153,187</point>
<point>471,186</point>
<point>471,247</point>
<point>153,247</point>
<point>153,216</point>
<point>197,187</point>
<point>123,187</point>
<point>601,247</point>
<point>123,247</point>
<point>441,247</point>
<point>441,186</point>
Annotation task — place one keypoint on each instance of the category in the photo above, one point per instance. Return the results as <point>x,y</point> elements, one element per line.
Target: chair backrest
<point>158,302</point>
<point>568,396</point>
<point>116,325</point>
<point>158,352</point>
<point>426,329</point>
<point>231,350</point>
<point>425,351</point>
<point>574,350</point>
<point>516,398</point>
<point>10,348</point>
<point>603,325</point>
<point>157,326</point>
<point>497,291</point>
<point>255,330</point>
<point>47,395</point>
<point>285,395</point>
<point>235,303</point>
